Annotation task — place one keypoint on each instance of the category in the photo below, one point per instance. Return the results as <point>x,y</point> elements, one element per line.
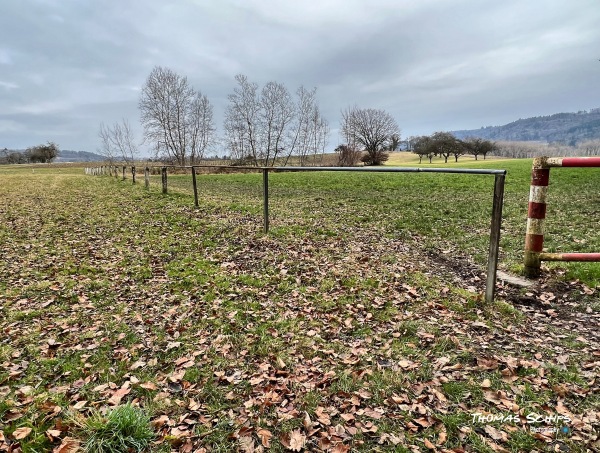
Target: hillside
<point>565,128</point>
<point>78,156</point>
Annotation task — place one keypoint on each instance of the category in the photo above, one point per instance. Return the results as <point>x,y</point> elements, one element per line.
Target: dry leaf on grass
<point>68,445</point>
<point>294,440</point>
<point>21,433</point>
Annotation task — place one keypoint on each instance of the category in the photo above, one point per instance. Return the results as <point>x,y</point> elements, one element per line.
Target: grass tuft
<point>123,429</point>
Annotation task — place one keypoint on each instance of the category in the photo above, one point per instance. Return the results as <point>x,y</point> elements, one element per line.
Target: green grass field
<point>357,324</point>
<point>450,213</point>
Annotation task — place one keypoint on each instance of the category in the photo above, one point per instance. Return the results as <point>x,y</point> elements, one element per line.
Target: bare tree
<point>373,129</point>
<point>107,149</point>
<point>446,144</point>
<point>310,131</point>
<point>394,144</point>
<point>261,128</point>
<point>589,148</point>
<point>177,119</point>
<point>479,146</point>
<point>202,128</point>
<point>423,147</point>
<point>276,114</point>
<point>117,143</point>
<point>241,121</point>
<point>318,134</point>
<point>410,142</point>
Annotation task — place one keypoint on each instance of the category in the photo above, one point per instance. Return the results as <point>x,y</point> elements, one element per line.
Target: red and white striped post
<point>536,213</point>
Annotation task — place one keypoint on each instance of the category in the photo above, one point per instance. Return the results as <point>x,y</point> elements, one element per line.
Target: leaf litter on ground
<point>233,339</point>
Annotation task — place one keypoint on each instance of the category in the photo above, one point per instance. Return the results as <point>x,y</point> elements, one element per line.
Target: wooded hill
<point>78,156</point>
<point>564,128</point>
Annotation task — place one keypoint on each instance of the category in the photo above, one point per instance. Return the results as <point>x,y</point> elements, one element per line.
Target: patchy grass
<point>444,213</point>
<point>343,329</point>
<point>125,428</point>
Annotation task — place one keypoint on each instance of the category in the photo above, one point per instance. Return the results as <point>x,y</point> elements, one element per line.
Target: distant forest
<point>561,128</point>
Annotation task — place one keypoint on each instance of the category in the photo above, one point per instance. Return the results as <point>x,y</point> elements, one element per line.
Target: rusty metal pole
<point>164,179</point>
<point>490,286</point>
<point>266,199</point>
<point>194,183</point>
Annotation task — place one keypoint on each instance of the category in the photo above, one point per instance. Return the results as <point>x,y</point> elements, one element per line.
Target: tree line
<point>265,125</point>
<point>262,126</point>
<point>445,144</point>
<point>521,150</point>
<point>45,153</point>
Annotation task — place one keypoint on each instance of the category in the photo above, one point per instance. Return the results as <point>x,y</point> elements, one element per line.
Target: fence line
<point>536,213</point>
<point>496,216</point>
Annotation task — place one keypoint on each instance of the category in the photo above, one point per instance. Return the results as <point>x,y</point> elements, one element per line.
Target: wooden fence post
<point>265,200</point>
<point>147,177</point>
<point>164,179</point>
<point>133,173</point>
<point>490,286</point>
<point>195,186</point>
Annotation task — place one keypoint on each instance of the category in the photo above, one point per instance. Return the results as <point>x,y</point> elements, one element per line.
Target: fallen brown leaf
<point>68,445</point>
<point>21,433</point>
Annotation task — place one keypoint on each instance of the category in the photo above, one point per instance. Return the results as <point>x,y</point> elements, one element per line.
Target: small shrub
<point>375,158</point>
<point>124,429</point>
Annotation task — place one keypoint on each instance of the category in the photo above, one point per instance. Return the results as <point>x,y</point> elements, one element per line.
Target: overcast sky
<point>68,65</point>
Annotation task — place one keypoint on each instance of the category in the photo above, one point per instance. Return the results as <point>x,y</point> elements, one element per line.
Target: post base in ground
<point>532,264</point>
<point>532,272</point>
